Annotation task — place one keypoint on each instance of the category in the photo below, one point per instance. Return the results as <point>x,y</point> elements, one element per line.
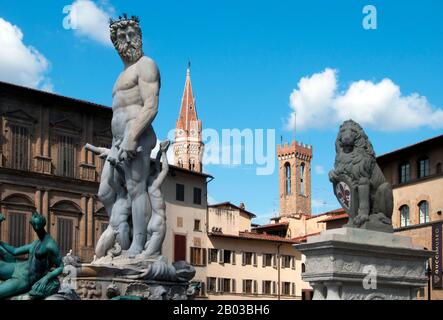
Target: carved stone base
<point>124,278</point>
<point>357,264</point>
<point>108,288</point>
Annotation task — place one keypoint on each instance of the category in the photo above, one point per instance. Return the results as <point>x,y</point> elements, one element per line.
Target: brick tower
<point>188,145</point>
<point>295,178</point>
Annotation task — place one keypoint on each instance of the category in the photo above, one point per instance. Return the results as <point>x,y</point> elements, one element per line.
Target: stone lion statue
<point>355,161</point>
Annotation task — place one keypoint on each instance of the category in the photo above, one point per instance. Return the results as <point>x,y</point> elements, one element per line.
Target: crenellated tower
<point>295,178</point>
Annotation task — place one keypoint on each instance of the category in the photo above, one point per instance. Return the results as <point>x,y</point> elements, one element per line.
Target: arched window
<point>424,211</point>
<point>287,178</point>
<point>423,167</point>
<point>404,172</point>
<point>192,164</point>
<point>404,216</point>
<point>303,268</point>
<point>302,179</point>
<point>180,163</point>
<point>438,168</point>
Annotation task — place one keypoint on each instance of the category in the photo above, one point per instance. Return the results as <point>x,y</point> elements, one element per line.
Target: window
<point>286,261</point>
<point>423,167</point>
<point>404,216</point>
<point>267,260</point>
<point>20,139</point>
<point>180,163</point>
<point>197,196</point>
<point>302,179</point>
<point>66,156</point>
<point>286,288</point>
<point>197,225</point>
<point>227,256</point>
<point>213,254</point>
<point>287,178</point>
<point>65,233</point>
<point>247,286</point>
<point>179,192</point>
<point>17,229</point>
<point>404,173</point>
<point>424,211</point>
<point>179,247</point>
<point>198,256</point>
<point>192,164</point>
<point>267,287</point>
<point>303,268</point>
<point>249,258</point>
<point>211,284</point>
<point>226,285</point>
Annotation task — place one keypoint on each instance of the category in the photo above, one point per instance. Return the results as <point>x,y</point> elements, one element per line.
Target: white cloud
<point>90,20</point>
<point>319,170</point>
<point>19,63</point>
<point>318,103</point>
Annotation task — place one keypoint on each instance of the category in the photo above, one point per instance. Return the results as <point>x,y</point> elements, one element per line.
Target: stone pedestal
<point>105,288</point>
<point>129,278</point>
<point>357,264</point>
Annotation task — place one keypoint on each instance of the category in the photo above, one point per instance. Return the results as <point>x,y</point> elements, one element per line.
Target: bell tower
<point>188,145</point>
<point>295,178</point>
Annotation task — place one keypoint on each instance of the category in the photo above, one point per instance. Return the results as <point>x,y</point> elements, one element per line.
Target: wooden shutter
<point>205,255</point>
<point>221,257</point>
<point>293,288</point>
<point>65,233</point>
<point>293,262</point>
<point>274,287</point>
<point>244,286</point>
<point>179,247</point>
<point>263,259</point>
<point>233,289</point>
<point>243,258</point>
<point>255,259</point>
<point>17,229</point>
<point>20,147</point>
<point>233,254</point>
<point>263,287</point>
<point>274,260</point>
<point>255,286</point>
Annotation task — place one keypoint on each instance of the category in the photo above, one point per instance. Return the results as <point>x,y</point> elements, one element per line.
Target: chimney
<point>242,206</point>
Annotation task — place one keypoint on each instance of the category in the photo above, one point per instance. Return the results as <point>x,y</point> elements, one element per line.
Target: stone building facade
<point>416,175</point>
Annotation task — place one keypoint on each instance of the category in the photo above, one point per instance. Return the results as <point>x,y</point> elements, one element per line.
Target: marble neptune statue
<point>135,106</point>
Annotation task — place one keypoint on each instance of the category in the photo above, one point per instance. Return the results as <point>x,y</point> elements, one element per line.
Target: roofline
<point>55,95</point>
<point>231,204</point>
<point>387,155</point>
<point>233,236</point>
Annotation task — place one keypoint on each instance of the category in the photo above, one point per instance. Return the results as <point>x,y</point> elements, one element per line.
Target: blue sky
<point>248,57</point>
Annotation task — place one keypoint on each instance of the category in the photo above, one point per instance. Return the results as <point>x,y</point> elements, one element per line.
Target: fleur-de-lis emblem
<point>343,194</point>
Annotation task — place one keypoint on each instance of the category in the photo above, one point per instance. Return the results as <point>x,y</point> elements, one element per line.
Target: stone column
<point>45,209</point>
<point>83,222</point>
<point>91,221</point>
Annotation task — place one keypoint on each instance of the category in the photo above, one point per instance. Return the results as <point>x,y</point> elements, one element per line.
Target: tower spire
<point>188,146</point>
